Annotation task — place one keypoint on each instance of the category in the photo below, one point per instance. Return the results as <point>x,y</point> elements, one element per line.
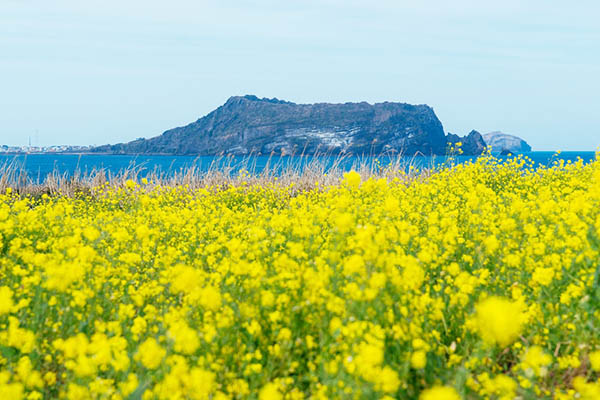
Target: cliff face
<point>472,144</point>
<point>502,142</point>
<point>249,125</point>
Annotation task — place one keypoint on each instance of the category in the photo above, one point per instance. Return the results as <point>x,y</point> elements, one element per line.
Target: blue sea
<point>38,166</point>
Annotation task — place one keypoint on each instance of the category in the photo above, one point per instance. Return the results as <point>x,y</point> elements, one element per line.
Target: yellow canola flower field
<point>480,280</point>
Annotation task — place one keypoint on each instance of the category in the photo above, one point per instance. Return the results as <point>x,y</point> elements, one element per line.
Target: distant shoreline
<point>88,153</point>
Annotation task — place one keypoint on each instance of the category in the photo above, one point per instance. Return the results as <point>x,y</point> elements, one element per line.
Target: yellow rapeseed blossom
<point>595,360</point>
<point>586,390</point>
<point>498,320</point>
<point>270,392</point>
<point>6,300</point>
<point>352,179</point>
<point>418,359</point>
<point>535,361</point>
<point>150,354</point>
<point>440,393</point>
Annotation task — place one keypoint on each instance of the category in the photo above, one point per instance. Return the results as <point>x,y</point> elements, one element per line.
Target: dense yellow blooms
<point>479,280</point>
<point>535,361</point>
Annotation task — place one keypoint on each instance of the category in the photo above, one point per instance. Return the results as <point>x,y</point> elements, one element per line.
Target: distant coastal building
<point>5,149</point>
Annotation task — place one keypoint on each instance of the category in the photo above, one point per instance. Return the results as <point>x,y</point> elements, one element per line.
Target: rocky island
<point>505,144</point>
<point>250,125</point>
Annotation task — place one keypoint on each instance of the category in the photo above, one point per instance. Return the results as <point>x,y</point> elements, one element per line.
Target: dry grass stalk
<point>305,173</point>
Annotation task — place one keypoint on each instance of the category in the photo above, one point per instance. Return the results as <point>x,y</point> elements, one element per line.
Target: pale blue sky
<point>96,72</point>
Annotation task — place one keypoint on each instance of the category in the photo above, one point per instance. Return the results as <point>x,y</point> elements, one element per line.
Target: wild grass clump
<point>302,173</point>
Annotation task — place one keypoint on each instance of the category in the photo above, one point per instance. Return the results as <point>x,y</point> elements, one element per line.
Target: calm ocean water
<point>38,166</point>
